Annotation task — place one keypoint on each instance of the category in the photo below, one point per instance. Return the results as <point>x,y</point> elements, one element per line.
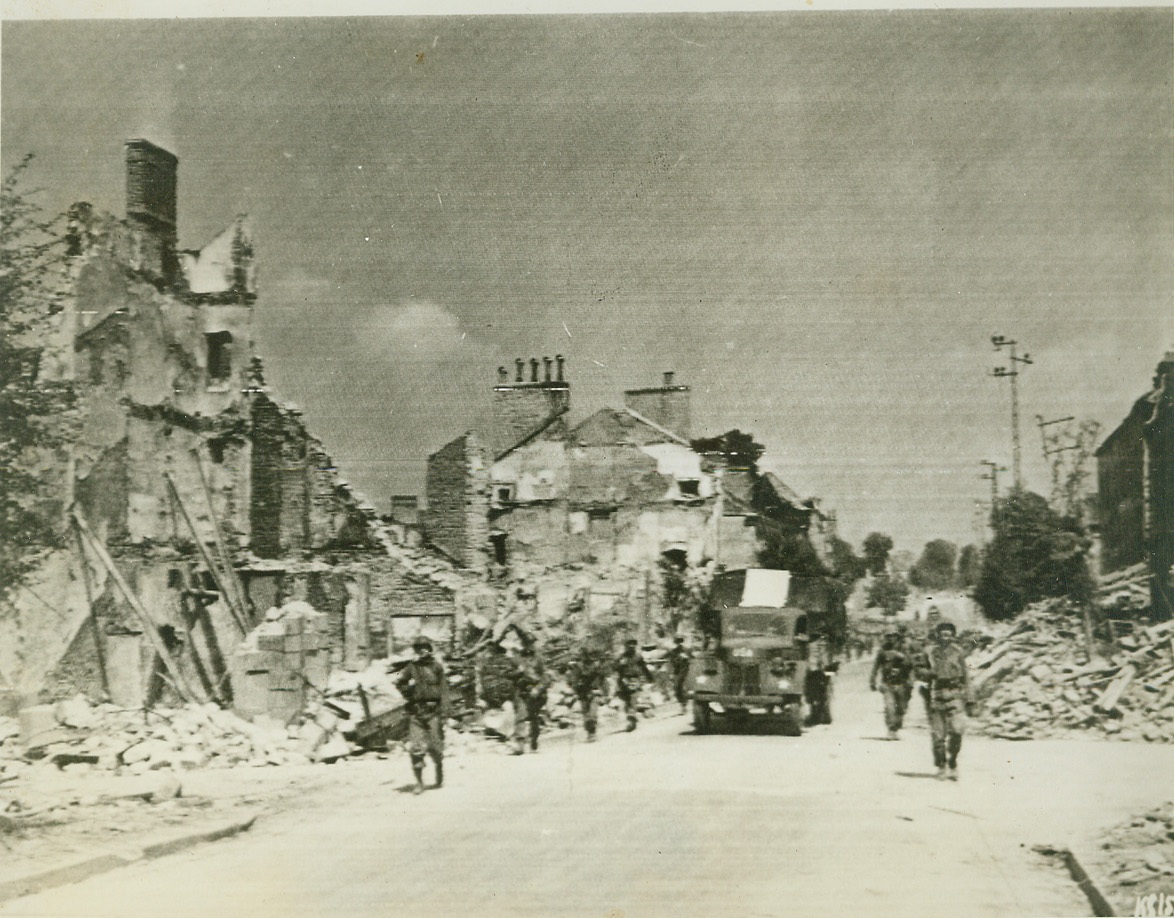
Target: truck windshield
<point>756,624</point>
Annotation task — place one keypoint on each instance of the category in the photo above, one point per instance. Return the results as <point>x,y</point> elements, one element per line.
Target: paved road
<point>661,822</point>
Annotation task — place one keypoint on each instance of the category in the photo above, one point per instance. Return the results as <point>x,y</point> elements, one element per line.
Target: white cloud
<point>419,331</point>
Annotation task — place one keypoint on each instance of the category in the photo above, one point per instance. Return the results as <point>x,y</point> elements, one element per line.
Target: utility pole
<point>992,475</point>
<point>1012,373</point>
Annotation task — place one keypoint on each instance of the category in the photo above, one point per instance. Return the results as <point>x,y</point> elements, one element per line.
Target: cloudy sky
<point>816,219</point>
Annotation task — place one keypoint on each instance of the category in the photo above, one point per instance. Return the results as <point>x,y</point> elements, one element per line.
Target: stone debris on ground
<point>1136,858</point>
<point>1040,680</point>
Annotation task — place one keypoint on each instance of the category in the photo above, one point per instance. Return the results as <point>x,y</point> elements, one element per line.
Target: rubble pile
<point>1137,856</point>
<point>1038,679</point>
<point>1126,590</point>
<point>77,736</point>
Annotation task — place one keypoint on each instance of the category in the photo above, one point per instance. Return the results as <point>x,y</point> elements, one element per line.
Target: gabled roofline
<point>545,425</point>
<point>662,430</point>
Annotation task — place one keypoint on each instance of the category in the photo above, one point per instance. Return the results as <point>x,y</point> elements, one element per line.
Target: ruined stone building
<point>592,510</point>
<point>212,499</point>
<point>620,487</point>
<point>1135,489</point>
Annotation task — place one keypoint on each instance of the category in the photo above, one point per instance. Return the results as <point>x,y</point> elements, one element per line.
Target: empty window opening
<point>689,487</point>
<point>219,356</point>
<point>499,552</point>
<point>505,494</point>
<point>216,451</point>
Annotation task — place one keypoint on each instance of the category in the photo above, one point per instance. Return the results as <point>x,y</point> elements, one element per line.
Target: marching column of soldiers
<point>424,685</point>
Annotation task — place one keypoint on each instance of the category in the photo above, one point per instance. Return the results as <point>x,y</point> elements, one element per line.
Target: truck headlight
<point>784,685</point>
<point>701,680</point>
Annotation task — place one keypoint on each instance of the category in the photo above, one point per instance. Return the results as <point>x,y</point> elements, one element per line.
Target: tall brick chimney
<point>151,182</point>
<point>522,407</point>
<point>666,405</point>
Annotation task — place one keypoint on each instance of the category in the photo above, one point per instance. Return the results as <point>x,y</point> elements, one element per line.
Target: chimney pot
<point>548,362</point>
<point>502,376</point>
<point>533,369</point>
<point>558,359</point>
<point>668,378</point>
<point>520,364</point>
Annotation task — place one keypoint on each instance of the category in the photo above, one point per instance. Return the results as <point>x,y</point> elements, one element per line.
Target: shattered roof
<point>620,427</point>
<point>554,426</point>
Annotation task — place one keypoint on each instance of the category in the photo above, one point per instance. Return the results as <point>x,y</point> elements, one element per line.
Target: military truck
<point>756,626</point>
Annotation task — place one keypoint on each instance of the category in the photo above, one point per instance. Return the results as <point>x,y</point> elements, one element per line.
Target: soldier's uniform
<point>892,671</point>
<point>949,700</point>
<point>679,666</point>
<point>528,678</point>
<point>817,683</point>
<point>919,656</point>
<point>588,679</point>
<point>631,673</point>
<point>425,689</point>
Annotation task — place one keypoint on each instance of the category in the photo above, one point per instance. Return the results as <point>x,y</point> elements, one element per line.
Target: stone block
<point>37,724</point>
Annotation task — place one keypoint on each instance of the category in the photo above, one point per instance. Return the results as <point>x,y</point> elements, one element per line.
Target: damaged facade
<point>619,487</point>
<point>589,513</point>
<point>1135,484</point>
<point>211,499</point>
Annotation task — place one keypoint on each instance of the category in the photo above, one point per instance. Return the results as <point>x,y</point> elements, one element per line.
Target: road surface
<point>660,822</point>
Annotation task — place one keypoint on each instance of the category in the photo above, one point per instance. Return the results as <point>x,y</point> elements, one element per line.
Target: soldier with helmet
<point>588,679</point>
<point>678,659</point>
<point>891,675</point>
<point>950,698</point>
<point>631,674</point>
<point>425,689</point>
<point>530,683</point>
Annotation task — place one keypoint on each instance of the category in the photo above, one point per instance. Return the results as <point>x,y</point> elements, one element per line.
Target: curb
<point>1100,903</point>
<point>85,868</point>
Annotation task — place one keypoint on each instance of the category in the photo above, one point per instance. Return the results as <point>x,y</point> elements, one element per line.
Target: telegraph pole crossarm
<point>1012,373</point>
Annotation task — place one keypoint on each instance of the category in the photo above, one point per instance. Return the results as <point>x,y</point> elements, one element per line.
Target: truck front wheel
<point>792,720</point>
<point>701,717</point>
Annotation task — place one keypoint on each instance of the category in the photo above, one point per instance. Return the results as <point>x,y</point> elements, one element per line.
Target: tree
<point>934,570</point>
<point>846,566</point>
<point>888,593</point>
<point>35,405</point>
<point>739,449</point>
<point>876,552</point>
<point>969,566</point>
<point>1035,554</point>
<point>787,550</point>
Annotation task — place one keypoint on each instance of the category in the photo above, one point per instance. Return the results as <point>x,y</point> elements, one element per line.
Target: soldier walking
<point>678,659</point>
<point>529,681</point>
<point>588,679</point>
<point>891,674</point>
<point>631,673</point>
<point>950,699</point>
<point>425,689</point>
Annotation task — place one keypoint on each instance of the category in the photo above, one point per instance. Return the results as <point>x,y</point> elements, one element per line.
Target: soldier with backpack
<point>950,699</point>
<point>425,689</point>
<point>631,674</point>
<point>530,682</point>
<point>892,670</point>
<point>588,679</point>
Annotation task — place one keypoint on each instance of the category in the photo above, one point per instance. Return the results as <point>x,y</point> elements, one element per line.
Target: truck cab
<point>754,655</point>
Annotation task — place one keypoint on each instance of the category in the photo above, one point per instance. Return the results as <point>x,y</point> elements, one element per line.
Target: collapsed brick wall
<point>409,604</point>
